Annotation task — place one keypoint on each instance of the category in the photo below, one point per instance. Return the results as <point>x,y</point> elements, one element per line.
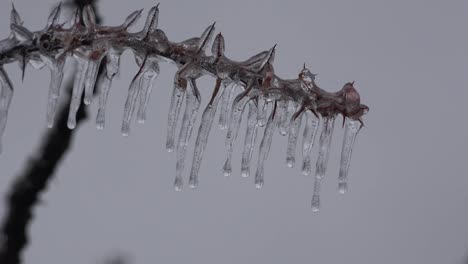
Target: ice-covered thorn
<point>351,130</point>
<point>132,19</point>
<point>203,133</point>
<point>269,58</point>
<point>205,38</point>
<point>89,18</point>
<point>14,16</point>
<point>191,110</point>
<point>21,33</point>
<point>54,16</point>
<point>218,46</point>
<point>265,148</point>
<point>6,94</point>
<point>322,159</point>
<point>151,21</point>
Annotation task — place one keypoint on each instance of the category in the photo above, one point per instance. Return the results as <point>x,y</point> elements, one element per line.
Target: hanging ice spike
<point>252,83</point>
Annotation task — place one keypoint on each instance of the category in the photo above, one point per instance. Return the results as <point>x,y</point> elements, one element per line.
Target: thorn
<point>362,123</point>
<point>352,83</point>
<point>343,121</point>
<point>304,66</point>
<point>23,67</point>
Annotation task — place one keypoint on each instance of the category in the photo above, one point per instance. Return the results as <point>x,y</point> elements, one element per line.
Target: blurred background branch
<point>25,191</point>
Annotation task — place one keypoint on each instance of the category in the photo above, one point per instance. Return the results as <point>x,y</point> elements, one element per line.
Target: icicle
<point>265,148</point>
<point>112,69</point>
<point>56,71</point>
<point>174,110</point>
<point>91,76</point>
<point>203,132</point>
<point>151,73</point>
<point>5,100</point>
<point>228,98</point>
<point>283,116</point>
<point>262,109</point>
<point>190,115</point>
<point>78,86</point>
<point>129,109</point>
<point>310,130</point>
<point>351,131</point>
<point>292,139</point>
<point>322,160</point>
<point>234,123</point>
<point>250,137</point>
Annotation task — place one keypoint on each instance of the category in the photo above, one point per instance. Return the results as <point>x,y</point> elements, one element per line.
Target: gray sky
<point>407,197</point>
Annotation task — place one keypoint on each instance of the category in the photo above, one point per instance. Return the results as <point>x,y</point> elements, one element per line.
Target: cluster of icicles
<point>272,102</point>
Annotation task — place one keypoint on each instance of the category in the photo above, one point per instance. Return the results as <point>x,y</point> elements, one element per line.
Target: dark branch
<point>25,191</point>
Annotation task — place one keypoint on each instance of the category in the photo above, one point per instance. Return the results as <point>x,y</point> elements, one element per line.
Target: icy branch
<point>251,82</point>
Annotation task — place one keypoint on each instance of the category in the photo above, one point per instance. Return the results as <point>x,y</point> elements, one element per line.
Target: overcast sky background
<point>407,199</point>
